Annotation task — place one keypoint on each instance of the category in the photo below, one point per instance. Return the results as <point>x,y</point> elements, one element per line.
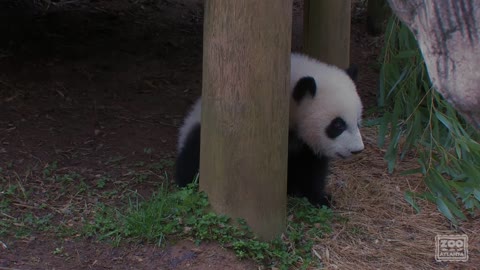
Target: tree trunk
<point>245,105</point>
<point>448,33</point>
<point>327,31</point>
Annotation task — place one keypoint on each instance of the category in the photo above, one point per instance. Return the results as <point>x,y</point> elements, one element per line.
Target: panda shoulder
<point>193,118</point>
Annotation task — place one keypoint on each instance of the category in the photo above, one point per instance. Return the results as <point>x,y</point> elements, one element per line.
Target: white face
<point>325,109</point>
<point>330,125</point>
<point>345,139</point>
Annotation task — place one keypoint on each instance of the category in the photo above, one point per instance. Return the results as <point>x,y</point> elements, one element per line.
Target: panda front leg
<point>321,199</point>
<point>317,182</point>
<point>307,175</point>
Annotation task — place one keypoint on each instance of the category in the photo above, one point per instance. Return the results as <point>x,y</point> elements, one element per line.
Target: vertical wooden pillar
<point>245,104</point>
<point>377,12</point>
<point>327,31</point>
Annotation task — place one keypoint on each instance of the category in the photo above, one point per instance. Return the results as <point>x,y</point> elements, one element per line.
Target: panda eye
<point>336,127</point>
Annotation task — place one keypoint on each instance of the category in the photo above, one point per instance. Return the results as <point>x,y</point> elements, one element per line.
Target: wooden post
<point>327,31</point>
<point>377,12</point>
<point>245,104</point>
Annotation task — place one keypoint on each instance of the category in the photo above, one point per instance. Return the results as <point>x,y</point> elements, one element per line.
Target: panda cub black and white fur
<point>325,113</point>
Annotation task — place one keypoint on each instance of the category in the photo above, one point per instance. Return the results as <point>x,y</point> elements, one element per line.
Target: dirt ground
<point>95,90</point>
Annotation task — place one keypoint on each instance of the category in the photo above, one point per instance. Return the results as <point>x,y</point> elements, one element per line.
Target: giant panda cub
<point>325,113</point>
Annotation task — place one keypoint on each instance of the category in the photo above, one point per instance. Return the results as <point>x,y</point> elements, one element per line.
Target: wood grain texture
<point>327,31</point>
<point>244,136</point>
<point>377,13</point>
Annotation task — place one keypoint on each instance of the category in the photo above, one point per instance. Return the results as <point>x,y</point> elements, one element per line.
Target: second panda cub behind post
<point>325,113</point>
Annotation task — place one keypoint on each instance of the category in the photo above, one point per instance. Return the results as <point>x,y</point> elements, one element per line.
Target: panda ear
<point>352,72</point>
<point>305,85</point>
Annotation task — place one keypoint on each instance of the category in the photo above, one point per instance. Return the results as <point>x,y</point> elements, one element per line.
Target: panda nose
<point>356,152</point>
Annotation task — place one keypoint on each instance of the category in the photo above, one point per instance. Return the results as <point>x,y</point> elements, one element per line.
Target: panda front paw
<point>324,199</point>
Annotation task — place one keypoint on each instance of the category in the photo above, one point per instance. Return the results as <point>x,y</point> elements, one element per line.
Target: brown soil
<point>96,90</point>
<point>99,89</point>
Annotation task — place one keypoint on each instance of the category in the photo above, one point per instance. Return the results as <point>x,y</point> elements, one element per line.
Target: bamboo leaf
<point>412,171</point>
<point>407,54</point>
<point>372,122</point>
<point>476,194</point>
<point>447,146</point>
<point>455,210</point>
<point>444,120</point>
<point>409,198</point>
<point>443,208</point>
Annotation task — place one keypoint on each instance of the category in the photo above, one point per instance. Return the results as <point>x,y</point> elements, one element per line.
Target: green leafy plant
<point>419,122</point>
<point>169,214</point>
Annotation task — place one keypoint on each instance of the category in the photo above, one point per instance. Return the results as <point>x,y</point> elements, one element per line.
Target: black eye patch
<point>336,127</point>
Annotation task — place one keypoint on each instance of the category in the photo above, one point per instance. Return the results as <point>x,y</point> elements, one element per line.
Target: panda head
<point>325,108</point>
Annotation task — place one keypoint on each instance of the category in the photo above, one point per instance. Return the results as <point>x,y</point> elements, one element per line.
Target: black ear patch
<point>352,72</point>
<point>336,127</point>
<point>305,85</point>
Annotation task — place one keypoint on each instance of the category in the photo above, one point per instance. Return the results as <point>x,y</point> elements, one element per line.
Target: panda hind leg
<point>188,159</point>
